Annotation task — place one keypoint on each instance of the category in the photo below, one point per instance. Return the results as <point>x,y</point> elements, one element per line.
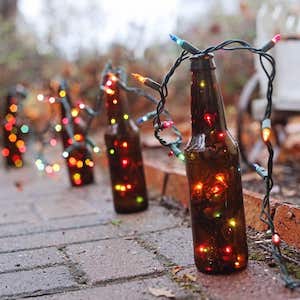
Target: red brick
<point>287,223</point>
<point>177,188</point>
<point>154,177</point>
<point>252,203</point>
<point>255,282</point>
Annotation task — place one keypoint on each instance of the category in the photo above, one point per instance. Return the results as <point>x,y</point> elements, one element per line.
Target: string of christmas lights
<point>266,174</point>
<point>75,131</point>
<point>140,92</point>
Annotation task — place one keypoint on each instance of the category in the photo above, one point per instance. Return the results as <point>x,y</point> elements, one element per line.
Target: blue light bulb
<point>176,39</point>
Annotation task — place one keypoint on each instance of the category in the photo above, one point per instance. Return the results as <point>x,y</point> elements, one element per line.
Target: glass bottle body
<point>126,169</point>
<point>124,153</point>
<point>13,143</point>
<point>213,171</point>
<point>79,161</point>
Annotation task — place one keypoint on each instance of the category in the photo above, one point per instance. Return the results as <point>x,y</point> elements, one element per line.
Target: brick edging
<point>171,180</point>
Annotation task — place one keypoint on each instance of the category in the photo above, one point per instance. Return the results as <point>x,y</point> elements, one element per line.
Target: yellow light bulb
<point>202,83</point>
<point>113,121</point>
<point>62,93</point>
<point>232,222</point>
<point>109,91</point>
<point>78,137</point>
<point>139,77</point>
<point>79,164</point>
<point>76,176</point>
<point>74,112</point>
<point>198,187</point>
<point>56,167</point>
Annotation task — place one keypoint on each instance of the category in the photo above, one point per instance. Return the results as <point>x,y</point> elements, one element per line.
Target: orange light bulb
<point>139,77</point>
<point>266,133</point>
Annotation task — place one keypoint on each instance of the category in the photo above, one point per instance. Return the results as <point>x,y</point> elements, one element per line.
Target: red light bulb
<point>276,38</point>
<point>65,121</point>
<point>171,153</point>
<point>221,136</point>
<point>167,124</point>
<point>209,119</point>
<point>5,152</point>
<point>228,249</point>
<point>276,239</point>
<point>125,162</point>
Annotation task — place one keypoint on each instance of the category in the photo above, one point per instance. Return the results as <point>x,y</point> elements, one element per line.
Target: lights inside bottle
<point>125,162</point>
<point>127,177</point>
<point>14,144</point>
<point>139,199</point>
<point>77,178</point>
<point>209,119</point>
<point>202,84</point>
<point>232,222</point>
<point>202,249</point>
<point>198,187</point>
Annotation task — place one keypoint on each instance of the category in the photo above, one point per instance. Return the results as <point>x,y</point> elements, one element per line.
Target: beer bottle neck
<point>117,107</point>
<point>207,108</point>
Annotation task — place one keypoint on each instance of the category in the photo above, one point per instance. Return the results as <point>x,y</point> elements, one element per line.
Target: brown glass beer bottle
<point>79,160</point>
<point>13,130</point>
<point>213,171</point>
<point>124,154</point>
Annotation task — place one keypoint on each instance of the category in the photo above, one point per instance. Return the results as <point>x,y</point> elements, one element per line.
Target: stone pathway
<point>63,243</point>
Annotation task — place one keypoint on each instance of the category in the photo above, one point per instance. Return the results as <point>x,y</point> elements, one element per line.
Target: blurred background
<point>45,40</point>
<point>42,39</point>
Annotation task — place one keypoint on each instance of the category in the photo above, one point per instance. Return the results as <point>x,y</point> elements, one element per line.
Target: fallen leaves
<point>161,292</point>
<point>190,277</point>
<point>19,185</point>
<point>116,222</point>
<point>176,269</point>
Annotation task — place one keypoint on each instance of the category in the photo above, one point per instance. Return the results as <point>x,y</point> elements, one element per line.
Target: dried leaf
<point>116,222</point>
<point>160,292</point>
<point>176,269</point>
<point>190,277</point>
<point>19,185</point>
<point>288,192</point>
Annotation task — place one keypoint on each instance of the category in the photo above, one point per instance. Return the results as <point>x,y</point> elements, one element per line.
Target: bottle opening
<point>203,61</point>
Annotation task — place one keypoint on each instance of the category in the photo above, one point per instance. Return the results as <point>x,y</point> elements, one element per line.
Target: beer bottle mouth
<point>202,61</point>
